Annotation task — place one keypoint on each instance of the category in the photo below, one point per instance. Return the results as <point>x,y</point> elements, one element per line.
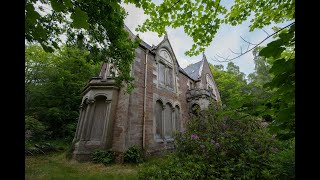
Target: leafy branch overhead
<point>98,30</point>
<point>201,19</point>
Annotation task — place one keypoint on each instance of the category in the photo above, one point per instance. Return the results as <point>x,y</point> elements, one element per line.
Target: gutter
<point>144,101</point>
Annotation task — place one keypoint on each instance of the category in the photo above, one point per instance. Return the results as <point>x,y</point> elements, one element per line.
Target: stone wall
<point>128,128</point>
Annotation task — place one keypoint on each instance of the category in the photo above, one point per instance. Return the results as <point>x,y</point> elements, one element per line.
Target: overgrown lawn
<point>56,166</point>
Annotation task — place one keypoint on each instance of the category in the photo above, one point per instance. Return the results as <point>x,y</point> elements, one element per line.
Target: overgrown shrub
<point>34,129</point>
<point>134,154</point>
<point>221,146</point>
<point>104,157</point>
<point>282,163</point>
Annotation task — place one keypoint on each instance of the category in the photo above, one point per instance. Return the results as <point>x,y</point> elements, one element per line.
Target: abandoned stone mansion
<point>160,104</point>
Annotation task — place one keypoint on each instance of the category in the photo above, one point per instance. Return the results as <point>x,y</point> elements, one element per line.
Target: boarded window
<point>168,121</point>
<point>161,73</point>
<point>158,115</point>
<point>177,118</point>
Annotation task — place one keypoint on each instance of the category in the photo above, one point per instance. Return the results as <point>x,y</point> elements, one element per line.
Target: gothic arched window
<point>168,121</point>
<point>177,118</point>
<point>165,70</point>
<point>158,116</point>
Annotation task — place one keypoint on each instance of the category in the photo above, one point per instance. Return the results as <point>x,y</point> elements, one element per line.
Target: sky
<point>227,37</point>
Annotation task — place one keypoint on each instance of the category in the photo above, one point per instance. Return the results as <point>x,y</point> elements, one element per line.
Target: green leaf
<point>273,49</point>
<point>55,45</point>
<point>68,3</point>
<point>80,19</point>
<point>47,48</point>
<point>31,14</point>
<point>57,6</point>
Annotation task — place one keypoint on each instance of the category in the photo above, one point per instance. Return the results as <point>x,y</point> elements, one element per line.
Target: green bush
<point>134,154</point>
<point>34,129</point>
<point>104,157</point>
<point>282,163</point>
<point>224,146</point>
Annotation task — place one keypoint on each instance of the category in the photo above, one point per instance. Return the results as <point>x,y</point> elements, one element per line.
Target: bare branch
<point>248,47</point>
<point>247,41</point>
<point>233,52</point>
<point>228,60</point>
<point>265,32</point>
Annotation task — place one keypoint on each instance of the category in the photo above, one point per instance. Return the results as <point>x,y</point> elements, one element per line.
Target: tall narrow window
<point>158,115</point>
<point>161,73</point>
<point>169,78</point>
<point>177,118</point>
<point>168,121</point>
<point>165,70</point>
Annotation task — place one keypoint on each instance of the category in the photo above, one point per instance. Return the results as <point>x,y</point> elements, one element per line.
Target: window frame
<point>168,65</point>
<point>165,108</point>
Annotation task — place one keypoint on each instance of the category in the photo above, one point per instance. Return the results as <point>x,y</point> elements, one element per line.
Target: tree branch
<point>256,45</point>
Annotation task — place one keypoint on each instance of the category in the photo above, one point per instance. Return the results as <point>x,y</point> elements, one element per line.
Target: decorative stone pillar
<point>106,123</point>
<point>163,122</point>
<point>89,122</point>
<point>86,121</point>
<point>173,121</point>
<point>78,130</point>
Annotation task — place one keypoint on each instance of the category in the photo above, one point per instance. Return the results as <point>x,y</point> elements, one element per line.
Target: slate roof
<point>193,70</point>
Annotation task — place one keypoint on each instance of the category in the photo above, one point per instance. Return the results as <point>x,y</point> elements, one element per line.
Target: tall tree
<point>281,54</point>
<point>96,25</point>
<point>232,86</point>
<point>53,86</point>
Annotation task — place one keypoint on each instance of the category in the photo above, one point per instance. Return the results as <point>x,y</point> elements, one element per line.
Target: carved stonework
<point>200,97</point>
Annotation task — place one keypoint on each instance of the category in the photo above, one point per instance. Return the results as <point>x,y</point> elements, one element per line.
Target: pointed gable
<point>208,79</point>
<point>164,51</point>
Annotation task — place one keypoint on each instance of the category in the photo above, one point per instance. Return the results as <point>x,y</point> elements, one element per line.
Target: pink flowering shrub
<point>216,146</point>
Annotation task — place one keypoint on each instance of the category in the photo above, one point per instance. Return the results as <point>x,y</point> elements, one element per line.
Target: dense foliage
<point>95,25</point>
<point>133,154</point>
<point>53,85</point>
<point>201,19</point>
<point>104,157</point>
<point>216,146</point>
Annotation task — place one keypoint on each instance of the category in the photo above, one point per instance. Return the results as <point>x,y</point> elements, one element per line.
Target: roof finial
<point>203,56</point>
<point>166,36</point>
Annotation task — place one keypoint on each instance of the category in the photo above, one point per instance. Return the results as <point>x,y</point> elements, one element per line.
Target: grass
<point>56,166</point>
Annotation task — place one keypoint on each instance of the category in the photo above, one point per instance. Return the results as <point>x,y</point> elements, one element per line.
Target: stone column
<point>173,120</point>
<point>163,122</point>
<point>86,121</point>
<point>81,120</point>
<point>89,120</point>
<point>106,124</point>
<point>76,137</point>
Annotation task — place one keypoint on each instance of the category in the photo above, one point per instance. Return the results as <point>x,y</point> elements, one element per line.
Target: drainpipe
<point>144,101</point>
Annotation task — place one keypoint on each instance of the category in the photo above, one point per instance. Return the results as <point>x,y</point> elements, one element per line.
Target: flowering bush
<point>219,146</point>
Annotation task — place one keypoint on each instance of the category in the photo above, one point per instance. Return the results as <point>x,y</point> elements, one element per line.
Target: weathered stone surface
<point>112,119</point>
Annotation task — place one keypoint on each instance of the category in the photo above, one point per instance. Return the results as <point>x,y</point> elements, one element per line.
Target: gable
<point>165,52</point>
<point>207,78</point>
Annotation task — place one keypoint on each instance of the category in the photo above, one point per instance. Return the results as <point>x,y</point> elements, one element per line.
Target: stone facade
<point>160,104</point>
